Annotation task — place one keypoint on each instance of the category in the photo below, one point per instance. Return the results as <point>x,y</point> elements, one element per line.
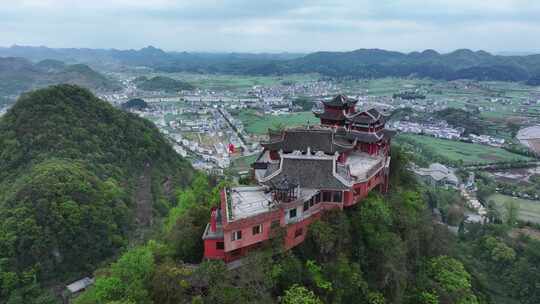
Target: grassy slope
<point>469,153</point>
<point>231,82</point>
<point>529,210</point>
<point>260,125</point>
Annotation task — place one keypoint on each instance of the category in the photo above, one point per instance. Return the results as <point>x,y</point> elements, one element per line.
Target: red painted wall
<point>210,250</point>
<point>248,238</point>
<point>238,248</point>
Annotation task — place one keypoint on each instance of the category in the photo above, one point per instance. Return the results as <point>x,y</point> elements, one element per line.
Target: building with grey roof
<point>301,173</point>
<point>437,174</point>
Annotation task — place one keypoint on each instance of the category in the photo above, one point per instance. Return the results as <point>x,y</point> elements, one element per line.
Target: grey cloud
<point>275,25</point>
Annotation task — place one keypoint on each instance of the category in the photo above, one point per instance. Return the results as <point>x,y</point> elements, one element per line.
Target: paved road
<point>226,115</point>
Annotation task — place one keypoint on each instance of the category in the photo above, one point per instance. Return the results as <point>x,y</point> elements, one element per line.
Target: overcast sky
<point>273,25</point>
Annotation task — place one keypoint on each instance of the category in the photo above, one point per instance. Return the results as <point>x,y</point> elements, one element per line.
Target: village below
<point>456,130</point>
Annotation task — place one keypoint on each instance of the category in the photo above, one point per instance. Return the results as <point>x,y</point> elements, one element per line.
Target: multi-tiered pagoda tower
<point>301,173</point>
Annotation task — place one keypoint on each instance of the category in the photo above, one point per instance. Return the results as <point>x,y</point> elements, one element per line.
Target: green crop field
<point>232,82</point>
<point>383,86</point>
<point>529,210</point>
<point>456,151</point>
<point>260,124</point>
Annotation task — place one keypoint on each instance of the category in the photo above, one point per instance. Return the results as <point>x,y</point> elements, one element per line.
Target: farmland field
<point>231,82</point>
<point>259,124</point>
<point>456,151</point>
<point>529,210</point>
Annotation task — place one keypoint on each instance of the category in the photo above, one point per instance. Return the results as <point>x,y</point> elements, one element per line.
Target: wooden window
<point>337,197</point>
<point>306,205</point>
<point>220,245</point>
<point>292,213</point>
<point>318,198</point>
<point>256,229</point>
<point>327,196</point>
<point>237,235</point>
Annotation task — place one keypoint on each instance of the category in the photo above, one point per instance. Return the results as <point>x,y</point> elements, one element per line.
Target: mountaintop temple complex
<point>301,173</point>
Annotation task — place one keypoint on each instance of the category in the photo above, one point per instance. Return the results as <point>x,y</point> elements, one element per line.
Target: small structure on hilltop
<point>77,287</point>
<point>303,172</point>
<point>437,174</point>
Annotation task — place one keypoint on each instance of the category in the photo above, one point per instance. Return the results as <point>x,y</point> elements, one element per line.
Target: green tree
<point>347,281</point>
<point>171,283</point>
<point>300,295</point>
<point>127,279</point>
<point>316,275</point>
<point>450,280</point>
<point>525,273</point>
<point>498,251</point>
<point>512,211</point>
<point>330,234</point>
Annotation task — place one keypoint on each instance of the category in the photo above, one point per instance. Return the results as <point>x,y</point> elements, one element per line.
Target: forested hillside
<point>18,75</point>
<point>137,104</point>
<point>161,83</point>
<point>388,249</point>
<point>77,178</point>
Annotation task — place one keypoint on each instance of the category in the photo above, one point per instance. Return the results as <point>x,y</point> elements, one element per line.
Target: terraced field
<point>259,124</point>
<point>456,151</point>
<point>232,82</point>
<point>529,210</point>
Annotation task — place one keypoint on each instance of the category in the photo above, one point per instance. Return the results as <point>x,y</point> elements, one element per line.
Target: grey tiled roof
<point>309,173</point>
<point>324,140</point>
<point>366,137</point>
<point>370,116</point>
<point>363,119</point>
<point>330,116</point>
<point>341,101</point>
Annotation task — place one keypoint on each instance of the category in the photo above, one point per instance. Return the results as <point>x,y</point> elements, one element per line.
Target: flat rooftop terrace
<point>361,164</point>
<point>244,202</point>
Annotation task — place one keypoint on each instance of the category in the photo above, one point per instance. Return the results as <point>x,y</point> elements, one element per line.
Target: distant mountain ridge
<point>161,83</point>
<point>148,56</point>
<point>18,75</point>
<point>375,63</point>
<point>361,63</point>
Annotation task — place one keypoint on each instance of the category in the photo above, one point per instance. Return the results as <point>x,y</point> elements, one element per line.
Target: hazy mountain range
<point>362,63</point>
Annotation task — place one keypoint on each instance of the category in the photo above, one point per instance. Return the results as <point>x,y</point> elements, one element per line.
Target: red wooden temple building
<point>302,172</point>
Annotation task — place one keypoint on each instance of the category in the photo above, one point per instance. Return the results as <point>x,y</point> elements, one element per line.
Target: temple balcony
<point>360,166</point>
